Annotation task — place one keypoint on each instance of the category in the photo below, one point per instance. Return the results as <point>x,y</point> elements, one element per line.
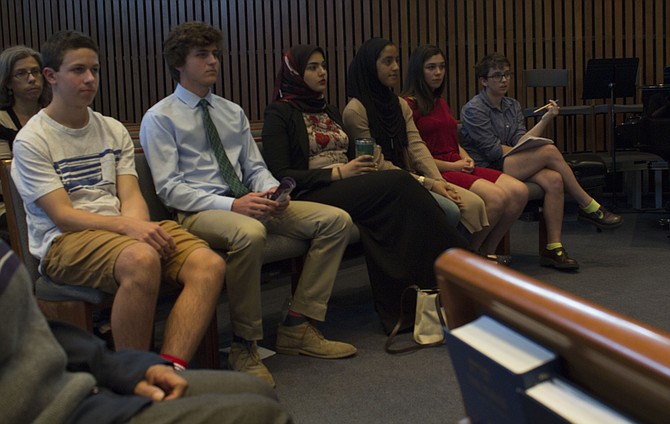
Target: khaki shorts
<point>87,258</point>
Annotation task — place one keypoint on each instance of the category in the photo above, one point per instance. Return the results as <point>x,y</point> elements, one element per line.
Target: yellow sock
<point>552,246</point>
<point>591,207</point>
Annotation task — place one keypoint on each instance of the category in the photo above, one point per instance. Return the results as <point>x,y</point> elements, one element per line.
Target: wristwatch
<point>421,179</point>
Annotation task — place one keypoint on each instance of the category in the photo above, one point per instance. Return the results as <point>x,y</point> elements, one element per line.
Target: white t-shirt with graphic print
<point>84,161</point>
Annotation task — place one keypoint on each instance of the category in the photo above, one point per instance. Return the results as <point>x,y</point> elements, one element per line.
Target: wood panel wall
<point>531,33</point>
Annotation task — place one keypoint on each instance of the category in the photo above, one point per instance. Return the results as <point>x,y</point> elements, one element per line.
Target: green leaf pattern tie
<point>236,187</point>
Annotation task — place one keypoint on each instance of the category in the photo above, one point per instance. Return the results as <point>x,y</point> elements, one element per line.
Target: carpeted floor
<point>625,270</point>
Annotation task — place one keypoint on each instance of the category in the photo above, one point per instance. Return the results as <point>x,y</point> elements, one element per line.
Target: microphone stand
<point>611,86</point>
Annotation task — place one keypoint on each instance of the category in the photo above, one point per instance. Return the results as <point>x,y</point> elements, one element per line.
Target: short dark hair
<point>490,61</point>
<point>53,51</point>
<point>8,59</point>
<point>183,38</point>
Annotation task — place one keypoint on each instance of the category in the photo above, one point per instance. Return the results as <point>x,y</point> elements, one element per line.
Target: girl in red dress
<point>504,196</point>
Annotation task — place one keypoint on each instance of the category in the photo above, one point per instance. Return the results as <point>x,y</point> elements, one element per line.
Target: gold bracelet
<point>339,172</point>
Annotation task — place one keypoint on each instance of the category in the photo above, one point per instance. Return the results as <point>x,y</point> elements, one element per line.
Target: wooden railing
<point>532,33</point>
<point>619,360</point>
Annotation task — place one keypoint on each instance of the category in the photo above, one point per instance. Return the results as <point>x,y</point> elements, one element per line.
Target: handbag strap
<point>396,328</point>
<point>438,308</point>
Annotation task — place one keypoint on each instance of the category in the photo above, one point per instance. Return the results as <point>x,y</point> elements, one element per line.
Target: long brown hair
<point>415,82</point>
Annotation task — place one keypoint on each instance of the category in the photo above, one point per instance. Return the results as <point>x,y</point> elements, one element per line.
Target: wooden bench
<point>533,209</point>
<point>281,255</point>
<point>78,304</point>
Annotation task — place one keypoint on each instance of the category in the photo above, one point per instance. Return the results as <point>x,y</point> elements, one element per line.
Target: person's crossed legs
<point>534,165</point>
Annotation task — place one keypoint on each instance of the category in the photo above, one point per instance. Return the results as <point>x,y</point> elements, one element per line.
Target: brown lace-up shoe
<point>305,339</point>
<point>602,218</point>
<point>244,357</point>
<point>558,258</point>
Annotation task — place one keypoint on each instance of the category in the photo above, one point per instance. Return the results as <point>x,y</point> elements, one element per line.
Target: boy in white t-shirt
<point>88,222</point>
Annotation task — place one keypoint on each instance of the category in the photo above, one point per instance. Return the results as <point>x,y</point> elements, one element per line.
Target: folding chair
<point>589,168</point>
<point>554,83</point>
<point>556,79</point>
<point>73,304</point>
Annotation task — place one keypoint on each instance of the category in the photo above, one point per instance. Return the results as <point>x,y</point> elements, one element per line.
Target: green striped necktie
<point>236,187</point>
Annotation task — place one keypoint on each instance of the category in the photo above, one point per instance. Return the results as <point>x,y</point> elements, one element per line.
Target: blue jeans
<point>449,208</point>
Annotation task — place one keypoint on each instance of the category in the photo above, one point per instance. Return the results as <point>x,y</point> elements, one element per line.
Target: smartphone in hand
<point>286,185</point>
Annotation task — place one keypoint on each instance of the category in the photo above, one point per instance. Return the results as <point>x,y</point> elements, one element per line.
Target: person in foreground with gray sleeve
<point>52,372</point>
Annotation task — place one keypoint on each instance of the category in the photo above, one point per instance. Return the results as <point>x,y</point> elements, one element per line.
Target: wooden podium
<point>621,361</point>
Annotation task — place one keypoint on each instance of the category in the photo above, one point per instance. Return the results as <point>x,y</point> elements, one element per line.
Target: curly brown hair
<point>185,37</point>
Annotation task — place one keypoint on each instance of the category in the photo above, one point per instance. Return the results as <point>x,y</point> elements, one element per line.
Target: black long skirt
<point>403,231</point>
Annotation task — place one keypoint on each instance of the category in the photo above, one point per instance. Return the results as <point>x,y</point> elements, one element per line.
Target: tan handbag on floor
<point>429,321</point>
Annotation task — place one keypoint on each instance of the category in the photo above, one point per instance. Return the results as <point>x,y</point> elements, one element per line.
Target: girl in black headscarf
<point>402,229</point>
<point>385,119</point>
<point>375,111</point>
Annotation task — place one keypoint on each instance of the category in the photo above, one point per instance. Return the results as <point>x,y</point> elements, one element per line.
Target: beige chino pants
<point>243,239</point>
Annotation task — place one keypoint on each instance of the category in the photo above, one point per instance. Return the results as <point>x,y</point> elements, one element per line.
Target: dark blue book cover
<point>494,366</point>
<point>557,401</point>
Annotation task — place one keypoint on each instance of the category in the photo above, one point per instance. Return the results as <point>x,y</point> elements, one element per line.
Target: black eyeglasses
<point>498,76</point>
<point>24,73</point>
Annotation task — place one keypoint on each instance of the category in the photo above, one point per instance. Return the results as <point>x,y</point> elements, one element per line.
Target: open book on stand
<point>529,143</point>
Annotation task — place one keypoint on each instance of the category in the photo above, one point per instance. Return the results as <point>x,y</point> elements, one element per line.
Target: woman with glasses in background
<point>22,92</point>
<point>22,95</point>
<point>493,123</point>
